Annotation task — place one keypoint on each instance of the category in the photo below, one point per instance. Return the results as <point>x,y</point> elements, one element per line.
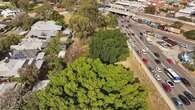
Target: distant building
<point>186,57</point>
<point>44,30</point>
<point>10,13</point>
<point>187,12</point>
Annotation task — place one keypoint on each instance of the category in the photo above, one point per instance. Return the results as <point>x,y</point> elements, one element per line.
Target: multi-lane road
<point>140,44</point>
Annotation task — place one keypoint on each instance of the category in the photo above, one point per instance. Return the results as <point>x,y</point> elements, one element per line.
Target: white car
<point>157,77</point>
<point>158,69</point>
<point>144,51</point>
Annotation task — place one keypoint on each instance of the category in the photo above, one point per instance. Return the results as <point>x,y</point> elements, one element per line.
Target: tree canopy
<point>6,41</point>
<point>190,34</point>
<point>109,45</point>
<point>90,84</point>
<point>86,19</point>
<point>150,9</point>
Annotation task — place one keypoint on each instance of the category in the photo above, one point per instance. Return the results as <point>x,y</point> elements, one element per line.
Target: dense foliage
<point>110,46</point>
<point>150,9</point>
<point>111,20</point>
<point>6,42</point>
<point>87,19</point>
<point>190,34</point>
<point>53,62</point>
<point>89,84</point>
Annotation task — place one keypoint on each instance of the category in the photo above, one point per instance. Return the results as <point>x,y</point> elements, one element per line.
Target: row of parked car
<point>185,99</point>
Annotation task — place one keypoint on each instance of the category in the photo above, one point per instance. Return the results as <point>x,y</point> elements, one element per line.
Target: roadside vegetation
<point>6,41</point>
<point>190,34</point>
<point>109,45</point>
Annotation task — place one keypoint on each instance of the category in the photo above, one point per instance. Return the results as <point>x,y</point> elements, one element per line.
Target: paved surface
<point>140,44</point>
<point>159,19</point>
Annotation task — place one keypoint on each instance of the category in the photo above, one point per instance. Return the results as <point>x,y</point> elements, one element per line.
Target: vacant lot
<point>156,102</point>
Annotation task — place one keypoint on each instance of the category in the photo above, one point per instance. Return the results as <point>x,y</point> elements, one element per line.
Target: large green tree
<point>87,19</point>
<point>89,84</point>
<point>109,45</point>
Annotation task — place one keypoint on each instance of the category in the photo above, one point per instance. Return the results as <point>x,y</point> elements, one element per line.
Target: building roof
<point>28,44</point>
<point>11,67</point>
<point>187,10</point>
<point>2,26</point>
<point>44,29</point>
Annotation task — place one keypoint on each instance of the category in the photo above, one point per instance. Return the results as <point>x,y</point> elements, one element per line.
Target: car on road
<point>145,60</point>
<point>158,69</point>
<point>189,96</point>
<point>132,34</point>
<point>157,77</point>
<point>156,54</point>
<point>184,99</point>
<point>170,61</point>
<point>157,61</point>
<point>177,102</point>
<point>166,87</point>
<point>144,51</point>
<point>170,83</point>
<point>141,33</point>
<point>185,82</point>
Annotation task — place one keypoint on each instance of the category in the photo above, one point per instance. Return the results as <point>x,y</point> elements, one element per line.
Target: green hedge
<point>189,67</point>
<point>190,34</point>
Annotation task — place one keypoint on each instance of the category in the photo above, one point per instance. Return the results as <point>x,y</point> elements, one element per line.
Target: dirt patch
<point>155,101</point>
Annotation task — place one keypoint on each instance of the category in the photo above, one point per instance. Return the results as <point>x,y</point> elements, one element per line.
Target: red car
<point>145,61</point>
<point>166,87</point>
<point>170,61</point>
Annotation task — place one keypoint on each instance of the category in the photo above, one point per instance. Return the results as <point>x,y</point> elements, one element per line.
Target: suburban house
<point>10,67</point>
<point>28,48</point>
<point>10,12</point>
<point>44,30</point>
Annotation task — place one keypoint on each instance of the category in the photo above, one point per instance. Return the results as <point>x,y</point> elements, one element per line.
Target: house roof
<point>44,29</point>
<point>28,44</point>
<point>11,67</point>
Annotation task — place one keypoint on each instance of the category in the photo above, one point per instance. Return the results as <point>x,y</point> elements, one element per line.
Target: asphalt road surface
<point>140,44</point>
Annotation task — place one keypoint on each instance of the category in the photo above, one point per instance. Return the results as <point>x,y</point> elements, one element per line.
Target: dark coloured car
<point>166,87</point>
<point>189,96</point>
<point>185,82</point>
<point>157,61</point>
<point>170,83</point>
<point>141,33</point>
<point>184,99</point>
<point>177,102</point>
<point>156,54</point>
